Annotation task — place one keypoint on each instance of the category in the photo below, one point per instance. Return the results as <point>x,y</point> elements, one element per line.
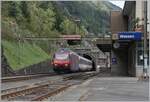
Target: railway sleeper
<point>49,94</point>
<point>21,92</point>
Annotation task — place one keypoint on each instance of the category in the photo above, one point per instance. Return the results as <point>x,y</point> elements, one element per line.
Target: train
<point>65,60</point>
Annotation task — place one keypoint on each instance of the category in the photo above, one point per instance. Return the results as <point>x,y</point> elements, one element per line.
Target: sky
<point>118,3</point>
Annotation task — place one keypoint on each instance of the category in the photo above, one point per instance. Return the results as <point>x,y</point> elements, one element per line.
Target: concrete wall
<point>118,22</point>
<point>139,72</point>
<point>148,14</point>
<point>139,13</point>
<point>42,67</point>
<point>120,68</point>
<point>131,16</point>
<point>129,11</point>
<point>131,59</point>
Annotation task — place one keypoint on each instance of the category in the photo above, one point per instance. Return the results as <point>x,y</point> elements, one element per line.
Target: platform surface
<point>107,89</point>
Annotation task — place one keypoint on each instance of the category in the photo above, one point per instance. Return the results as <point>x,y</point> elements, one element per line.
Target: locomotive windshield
<point>61,56</point>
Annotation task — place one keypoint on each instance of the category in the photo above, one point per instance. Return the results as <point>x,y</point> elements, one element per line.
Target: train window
<point>61,56</point>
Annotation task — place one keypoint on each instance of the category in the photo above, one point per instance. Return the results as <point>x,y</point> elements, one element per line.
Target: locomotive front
<point>61,61</point>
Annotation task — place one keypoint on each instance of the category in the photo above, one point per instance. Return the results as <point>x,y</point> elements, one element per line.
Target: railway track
<point>41,91</point>
<point>26,77</point>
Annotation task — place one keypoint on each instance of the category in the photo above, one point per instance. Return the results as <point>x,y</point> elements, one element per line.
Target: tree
<point>42,21</point>
<point>68,27</point>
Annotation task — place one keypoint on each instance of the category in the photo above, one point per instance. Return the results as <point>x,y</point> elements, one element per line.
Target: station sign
<point>114,60</point>
<point>130,35</point>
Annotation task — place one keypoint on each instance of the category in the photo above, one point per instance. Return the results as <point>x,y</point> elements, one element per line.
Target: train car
<point>65,60</point>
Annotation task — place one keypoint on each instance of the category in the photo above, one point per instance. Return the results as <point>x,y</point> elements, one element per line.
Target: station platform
<point>107,89</point>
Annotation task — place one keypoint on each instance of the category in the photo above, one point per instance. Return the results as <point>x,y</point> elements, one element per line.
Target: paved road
<point>107,89</point>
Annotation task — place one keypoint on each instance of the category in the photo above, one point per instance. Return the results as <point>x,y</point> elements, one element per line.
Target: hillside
<point>20,19</point>
<point>94,16</point>
<point>20,55</point>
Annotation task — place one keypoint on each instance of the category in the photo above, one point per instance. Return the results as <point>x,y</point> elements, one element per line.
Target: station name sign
<point>130,35</point>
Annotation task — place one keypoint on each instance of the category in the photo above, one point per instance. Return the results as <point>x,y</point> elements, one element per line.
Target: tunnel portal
<point>90,58</point>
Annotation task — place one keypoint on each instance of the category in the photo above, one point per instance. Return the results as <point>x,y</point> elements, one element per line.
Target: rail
<point>41,91</point>
<point>26,77</point>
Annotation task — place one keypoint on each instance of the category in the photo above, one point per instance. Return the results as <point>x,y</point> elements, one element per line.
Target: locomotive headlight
<point>66,65</point>
<point>55,64</point>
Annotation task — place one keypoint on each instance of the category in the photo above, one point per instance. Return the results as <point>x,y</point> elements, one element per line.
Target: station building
<point>127,28</point>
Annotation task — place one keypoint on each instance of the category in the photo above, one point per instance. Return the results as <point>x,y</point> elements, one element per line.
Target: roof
<point>128,6</point>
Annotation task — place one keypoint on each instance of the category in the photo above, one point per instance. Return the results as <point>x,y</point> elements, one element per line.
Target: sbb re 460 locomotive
<point>65,60</point>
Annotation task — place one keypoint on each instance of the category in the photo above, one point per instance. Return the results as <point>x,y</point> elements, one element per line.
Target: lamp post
<point>145,68</point>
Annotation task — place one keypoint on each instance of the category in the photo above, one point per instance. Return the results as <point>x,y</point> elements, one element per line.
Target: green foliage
<point>42,21</point>
<point>20,55</point>
<point>25,9</point>
<point>134,23</point>
<point>11,30</point>
<point>14,9</point>
<point>33,17</point>
<point>43,18</point>
<point>68,27</point>
<point>94,15</point>
<point>46,19</point>
<point>8,31</point>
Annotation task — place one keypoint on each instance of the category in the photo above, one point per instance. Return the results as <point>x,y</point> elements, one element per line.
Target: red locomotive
<point>65,60</point>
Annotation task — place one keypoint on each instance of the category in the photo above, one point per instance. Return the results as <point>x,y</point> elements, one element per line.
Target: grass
<point>21,55</point>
